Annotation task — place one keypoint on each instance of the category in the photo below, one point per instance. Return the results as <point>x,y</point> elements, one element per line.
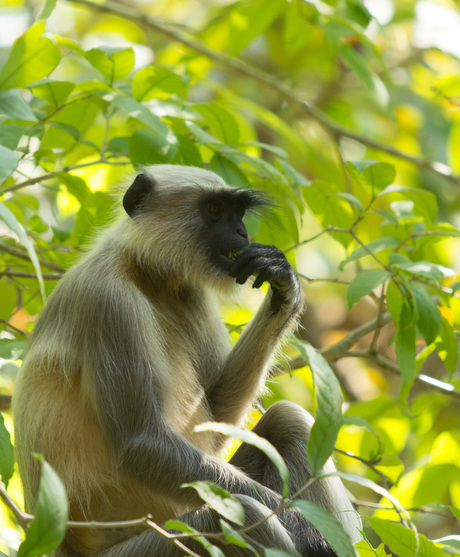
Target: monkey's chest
<point>185,403</point>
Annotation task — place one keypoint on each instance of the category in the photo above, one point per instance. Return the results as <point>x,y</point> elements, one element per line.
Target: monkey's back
<point>54,413</point>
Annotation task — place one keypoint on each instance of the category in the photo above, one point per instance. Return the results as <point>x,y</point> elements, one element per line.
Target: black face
<point>223,214</point>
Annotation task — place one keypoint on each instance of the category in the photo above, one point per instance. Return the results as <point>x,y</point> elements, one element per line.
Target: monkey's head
<point>186,222</point>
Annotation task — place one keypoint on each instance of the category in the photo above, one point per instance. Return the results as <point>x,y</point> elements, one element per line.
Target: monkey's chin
<point>224,263</point>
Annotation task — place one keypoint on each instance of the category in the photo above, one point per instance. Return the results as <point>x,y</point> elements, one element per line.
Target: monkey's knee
<point>286,423</point>
<point>270,532</point>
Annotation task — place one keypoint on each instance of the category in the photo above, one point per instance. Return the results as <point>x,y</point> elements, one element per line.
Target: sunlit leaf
<point>182,527</point>
<point>372,175</point>
<point>447,345</point>
<point>375,247</point>
<point>8,217</point>
<point>249,19</point>
<point>147,147</point>
<point>331,529</point>
<point>220,500</point>
<point>404,542</point>
<point>13,105</point>
<point>219,122</point>
<point>228,170</point>
<point>425,202</point>
<point>328,418</point>
<point>31,58</point>
<point>428,315</point>
<point>48,528</point>
<point>113,63</point>
<point>8,162</point>
<point>140,112</point>
<point>6,454</point>
<point>47,9</point>
<point>156,82</point>
<point>250,438</point>
<point>55,92</point>
<point>364,283</point>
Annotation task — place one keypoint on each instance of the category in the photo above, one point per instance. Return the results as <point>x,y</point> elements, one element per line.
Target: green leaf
<point>297,31</point>
<point>425,202</point>
<point>8,301</point>
<point>228,170</point>
<point>331,529</point>
<point>250,19</point>
<point>423,269</point>
<point>220,500</point>
<point>404,542</point>
<point>364,283</point>
<point>8,162</point>
<point>47,9</point>
<point>250,438</point>
<point>189,152</point>
<point>7,216</point>
<point>391,467</point>
<point>368,78</point>
<point>48,528</point>
<point>373,176</point>
<point>383,243</point>
<point>329,209</point>
<point>328,419</point>
<point>351,420</point>
<point>450,543</point>
<point>77,187</point>
<point>182,527</point>
<point>202,137</point>
<point>55,92</point>
<point>428,314</point>
<point>113,63</point>
<point>352,200</point>
<point>156,83</point>
<point>10,135</point>
<point>376,488</point>
<point>139,112</point>
<point>232,537</point>
<point>6,453</point>
<point>453,148</point>
<point>447,345</point>
<point>147,147</point>
<point>31,58</point>
<point>219,122</point>
<point>12,349</point>
<point>405,342</point>
<point>14,107</point>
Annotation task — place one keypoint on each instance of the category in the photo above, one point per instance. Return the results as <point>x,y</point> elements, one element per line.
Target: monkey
<point>130,353</point>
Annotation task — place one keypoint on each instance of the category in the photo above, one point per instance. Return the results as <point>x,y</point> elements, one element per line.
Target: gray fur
<point>129,355</point>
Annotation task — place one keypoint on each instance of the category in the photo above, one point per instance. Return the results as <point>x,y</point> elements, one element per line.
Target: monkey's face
<point>225,233</point>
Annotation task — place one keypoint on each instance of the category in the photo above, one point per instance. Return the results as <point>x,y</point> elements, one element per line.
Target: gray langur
<point>130,354</point>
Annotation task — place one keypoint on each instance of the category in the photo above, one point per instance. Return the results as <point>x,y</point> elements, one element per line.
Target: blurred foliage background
<point>347,112</point>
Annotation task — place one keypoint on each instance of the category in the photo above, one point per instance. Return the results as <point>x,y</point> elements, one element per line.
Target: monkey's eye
<point>214,209</point>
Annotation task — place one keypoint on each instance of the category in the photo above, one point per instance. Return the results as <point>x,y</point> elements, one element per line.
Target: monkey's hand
<point>268,263</point>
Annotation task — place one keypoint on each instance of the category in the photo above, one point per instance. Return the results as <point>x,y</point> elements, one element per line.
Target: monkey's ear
<point>137,192</point>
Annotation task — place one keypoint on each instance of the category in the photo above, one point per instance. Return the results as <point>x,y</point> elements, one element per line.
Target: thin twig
<point>254,73</point>
<point>17,252</point>
<point>23,274</point>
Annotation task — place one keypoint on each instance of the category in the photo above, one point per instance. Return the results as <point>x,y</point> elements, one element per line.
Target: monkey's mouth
<point>232,254</point>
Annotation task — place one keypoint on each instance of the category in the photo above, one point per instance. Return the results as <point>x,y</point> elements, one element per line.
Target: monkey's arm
<point>247,365</point>
<point>122,383</point>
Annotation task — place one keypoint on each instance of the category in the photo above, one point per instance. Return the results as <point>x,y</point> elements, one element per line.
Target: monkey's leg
<point>287,426</point>
<point>271,533</point>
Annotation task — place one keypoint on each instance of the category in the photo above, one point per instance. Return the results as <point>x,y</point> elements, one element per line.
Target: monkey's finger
<point>251,268</point>
<point>262,277</point>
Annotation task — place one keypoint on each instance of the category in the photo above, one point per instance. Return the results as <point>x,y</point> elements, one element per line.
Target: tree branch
<point>254,73</point>
<point>17,252</point>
